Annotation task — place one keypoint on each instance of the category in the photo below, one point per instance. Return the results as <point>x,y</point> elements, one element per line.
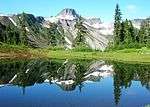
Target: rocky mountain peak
<point>68,14</point>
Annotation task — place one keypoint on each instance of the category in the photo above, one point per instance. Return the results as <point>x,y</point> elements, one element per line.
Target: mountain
<point>58,30</point>
<point>99,34</point>
<point>68,14</point>
<point>5,20</point>
<point>37,34</point>
<point>137,23</point>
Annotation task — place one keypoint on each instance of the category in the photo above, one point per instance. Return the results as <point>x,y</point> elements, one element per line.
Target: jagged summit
<point>68,14</point>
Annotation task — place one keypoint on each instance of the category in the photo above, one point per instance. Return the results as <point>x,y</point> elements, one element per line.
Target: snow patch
<point>106,68</point>
<point>46,80</point>
<point>13,79</point>
<point>53,81</point>
<point>66,17</point>
<point>27,29</point>
<point>88,81</point>
<point>100,74</point>
<point>67,82</point>
<point>2,86</point>
<point>68,41</point>
<point>2,14</point>
<point>51,19</point>
<point>12,21</point>
<point>27,70</point>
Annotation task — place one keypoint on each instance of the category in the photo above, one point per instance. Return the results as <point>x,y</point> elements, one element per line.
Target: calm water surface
<point>73,83</point>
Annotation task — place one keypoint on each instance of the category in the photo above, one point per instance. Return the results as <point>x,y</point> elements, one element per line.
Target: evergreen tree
<point>127,35</point>
<point>82,32</point>
<point>117,26</point>
<point>53,34</point>
<point>117,89</point>
<point>147,32</point>
<point>144,33</point>
<point>62,38</point>
<point>2,32</point>
<point>122,33</point>
<point>10,34</point>
<point>23,32</point>
<point>132,32</point>
<point>17,37</point>
<point>128,38</point>
<point>148,38</point>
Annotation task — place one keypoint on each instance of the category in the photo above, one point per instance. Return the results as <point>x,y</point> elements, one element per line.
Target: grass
<point>126,55</point>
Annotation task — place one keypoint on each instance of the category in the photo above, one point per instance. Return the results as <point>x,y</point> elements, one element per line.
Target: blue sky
<point>103,9</point>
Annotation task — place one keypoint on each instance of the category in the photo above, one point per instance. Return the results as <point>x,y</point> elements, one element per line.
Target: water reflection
<point>126,73</point>
<point>70,74</point>
<point>66,74</point>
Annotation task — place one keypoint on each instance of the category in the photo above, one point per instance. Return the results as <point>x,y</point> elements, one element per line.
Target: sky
<point>103,9</point>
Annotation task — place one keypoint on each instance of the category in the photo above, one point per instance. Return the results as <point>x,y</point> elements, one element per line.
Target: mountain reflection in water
<point>70,74</point>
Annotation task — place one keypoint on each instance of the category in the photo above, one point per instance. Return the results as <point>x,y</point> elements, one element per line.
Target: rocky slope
<point>99,34</point>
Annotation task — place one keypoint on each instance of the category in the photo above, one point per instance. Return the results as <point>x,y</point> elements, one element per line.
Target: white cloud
<point>131,8</point>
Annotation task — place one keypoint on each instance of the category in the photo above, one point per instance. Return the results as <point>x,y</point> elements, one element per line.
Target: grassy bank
<point>127,55</point>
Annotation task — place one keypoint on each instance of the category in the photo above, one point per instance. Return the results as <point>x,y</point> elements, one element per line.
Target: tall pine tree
<point>23,32</point>
<point>128,38</point>
<point>117,26</point>
<point>144,33</point>
<point>82,32</point>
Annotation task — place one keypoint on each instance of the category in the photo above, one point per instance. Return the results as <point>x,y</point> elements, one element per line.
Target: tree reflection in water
<point>126,73</point>
<point>69,74</point>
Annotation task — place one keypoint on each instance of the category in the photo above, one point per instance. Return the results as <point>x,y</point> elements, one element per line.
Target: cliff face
<point>99,34</point>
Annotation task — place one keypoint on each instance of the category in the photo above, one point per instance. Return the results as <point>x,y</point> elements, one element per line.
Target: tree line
<point>126,36</point>
<point>11,35</point>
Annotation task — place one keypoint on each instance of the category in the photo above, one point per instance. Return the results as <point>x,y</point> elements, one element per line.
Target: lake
<point>73,83</point>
